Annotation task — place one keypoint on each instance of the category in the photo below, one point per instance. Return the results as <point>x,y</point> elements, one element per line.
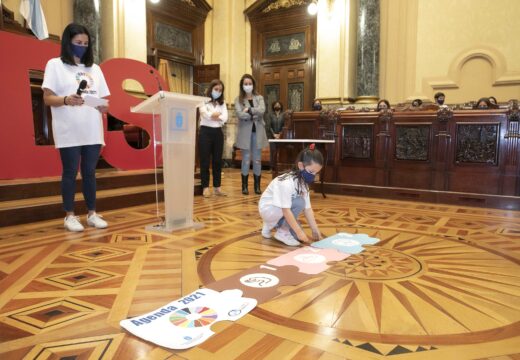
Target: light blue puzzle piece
<point>346,243</point>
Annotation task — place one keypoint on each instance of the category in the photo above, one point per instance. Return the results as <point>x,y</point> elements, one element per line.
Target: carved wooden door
<point>287,83</point>
<point>283,53</point>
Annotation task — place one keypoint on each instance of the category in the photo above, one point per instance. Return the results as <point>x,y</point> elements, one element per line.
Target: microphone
<point>81,87</point>
<point>156,79</point>
<point>193,82</point>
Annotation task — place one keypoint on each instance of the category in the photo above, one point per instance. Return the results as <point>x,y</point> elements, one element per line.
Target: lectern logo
<point>178,120</point>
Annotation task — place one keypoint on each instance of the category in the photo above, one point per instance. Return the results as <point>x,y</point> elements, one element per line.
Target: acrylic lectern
<point>176,133</point>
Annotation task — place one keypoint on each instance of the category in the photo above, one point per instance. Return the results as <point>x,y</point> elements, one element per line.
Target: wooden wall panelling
<point>442,141</point>
<point>283,52</point>
<point>360,150</point>
<point>475,152</point>
<point>42,116</point>
<point>411,156</point>
<point>511,137</point>
<point>458,157</point>
<point>182,20</point>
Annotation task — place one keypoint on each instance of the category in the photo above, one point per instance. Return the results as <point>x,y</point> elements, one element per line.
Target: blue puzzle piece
<point>346,243</point>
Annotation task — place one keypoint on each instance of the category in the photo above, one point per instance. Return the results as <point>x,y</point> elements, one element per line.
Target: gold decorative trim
<point>283,4</point>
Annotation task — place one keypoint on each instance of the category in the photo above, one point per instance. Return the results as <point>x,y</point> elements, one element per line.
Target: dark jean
<point>71,157</point>
<point>297,206</point>
<point>211,145</point>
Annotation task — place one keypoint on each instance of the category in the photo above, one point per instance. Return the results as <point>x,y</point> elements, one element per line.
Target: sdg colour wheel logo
<point>193,317</point>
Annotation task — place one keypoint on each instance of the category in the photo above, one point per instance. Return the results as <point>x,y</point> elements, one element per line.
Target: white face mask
<point>215,94</point>
<point>248,88</point>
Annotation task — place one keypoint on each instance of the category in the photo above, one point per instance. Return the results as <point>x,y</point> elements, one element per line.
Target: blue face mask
<point>79,50</point>
<point>215,94</point>
<point>307,176</point>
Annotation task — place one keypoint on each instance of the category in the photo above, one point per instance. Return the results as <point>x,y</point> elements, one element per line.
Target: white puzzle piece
<point>346,243</point>
<point>187,322</point>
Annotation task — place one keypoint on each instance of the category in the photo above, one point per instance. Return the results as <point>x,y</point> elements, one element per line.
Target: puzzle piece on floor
<point>186,322</point>
<point>261,282</point>
<point>308,259</point>
<point>346,243</point>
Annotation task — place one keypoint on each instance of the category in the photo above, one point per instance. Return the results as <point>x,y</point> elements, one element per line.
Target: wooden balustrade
<point>468,157</point>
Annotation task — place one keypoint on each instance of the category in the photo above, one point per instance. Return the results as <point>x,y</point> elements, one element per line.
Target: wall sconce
<point>312,8</point>
<point>316,6</point>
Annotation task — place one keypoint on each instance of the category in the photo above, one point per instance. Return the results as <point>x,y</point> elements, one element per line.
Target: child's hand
<point>302,236</point>
<point>316,235</point>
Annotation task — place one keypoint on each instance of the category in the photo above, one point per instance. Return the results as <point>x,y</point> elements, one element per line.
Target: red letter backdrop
<point>117,152</point>
<point>21,158</point>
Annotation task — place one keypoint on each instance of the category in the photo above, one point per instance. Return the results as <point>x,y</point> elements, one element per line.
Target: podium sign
<point>177,128</point>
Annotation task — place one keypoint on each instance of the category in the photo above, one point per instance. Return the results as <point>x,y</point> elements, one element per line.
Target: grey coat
<point>245,125</point>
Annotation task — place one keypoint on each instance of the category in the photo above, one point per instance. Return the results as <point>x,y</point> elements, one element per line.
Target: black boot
<point>245,191</point>
<point>257,184</point>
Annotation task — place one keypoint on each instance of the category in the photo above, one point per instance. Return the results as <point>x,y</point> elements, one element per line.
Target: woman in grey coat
<point>251,137</point>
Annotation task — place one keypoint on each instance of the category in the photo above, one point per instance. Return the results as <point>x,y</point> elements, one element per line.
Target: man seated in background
<point>439,99</point>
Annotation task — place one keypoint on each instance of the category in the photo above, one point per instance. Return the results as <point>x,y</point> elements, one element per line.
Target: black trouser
<point>211,145</point>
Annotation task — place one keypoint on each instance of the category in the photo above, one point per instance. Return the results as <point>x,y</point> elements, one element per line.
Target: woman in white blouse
<point>213,115</point>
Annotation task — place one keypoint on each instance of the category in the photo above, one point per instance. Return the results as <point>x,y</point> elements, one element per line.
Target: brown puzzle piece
<point>261,282</point>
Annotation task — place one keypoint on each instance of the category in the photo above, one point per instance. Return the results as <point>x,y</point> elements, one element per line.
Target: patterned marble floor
<point>443,282</point>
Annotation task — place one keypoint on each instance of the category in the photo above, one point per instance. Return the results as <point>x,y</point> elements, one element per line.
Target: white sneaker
<point>286,237</point>
<point>266,231</point>
<point>72,223</point>
<point>96,221</point>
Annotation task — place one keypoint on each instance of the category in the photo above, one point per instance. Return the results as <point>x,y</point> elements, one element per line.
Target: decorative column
<point>367,75</point>
<point>87,13</point>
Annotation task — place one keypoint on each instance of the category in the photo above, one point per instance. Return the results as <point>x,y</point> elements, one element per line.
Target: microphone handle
<point>158,82</point>
<point>156,79</point>
<point>194,83</point>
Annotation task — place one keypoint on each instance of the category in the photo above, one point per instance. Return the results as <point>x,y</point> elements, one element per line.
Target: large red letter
<point>117,152</point>
<point>21,157</point>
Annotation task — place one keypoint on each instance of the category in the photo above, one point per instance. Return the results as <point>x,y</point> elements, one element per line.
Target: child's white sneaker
<point>96,221</point>
<point>286,237</point>
<point>72,223</point>
<point>266,231</point>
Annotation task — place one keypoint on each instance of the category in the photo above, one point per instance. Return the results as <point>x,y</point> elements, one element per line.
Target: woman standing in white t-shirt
<point>77,128</point>
<point>213,115</point>
<point>287,196</point>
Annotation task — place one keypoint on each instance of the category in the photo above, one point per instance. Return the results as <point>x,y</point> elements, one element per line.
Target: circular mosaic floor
<point>411,287</point>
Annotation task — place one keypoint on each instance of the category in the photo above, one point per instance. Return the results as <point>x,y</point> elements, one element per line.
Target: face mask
<point>307,176</point>
<point>277,108</point>
<point>316,107</point>
<point>79,50</point>
<point>248,88</point>
<point>440,101</point>
<point>215,94</point>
